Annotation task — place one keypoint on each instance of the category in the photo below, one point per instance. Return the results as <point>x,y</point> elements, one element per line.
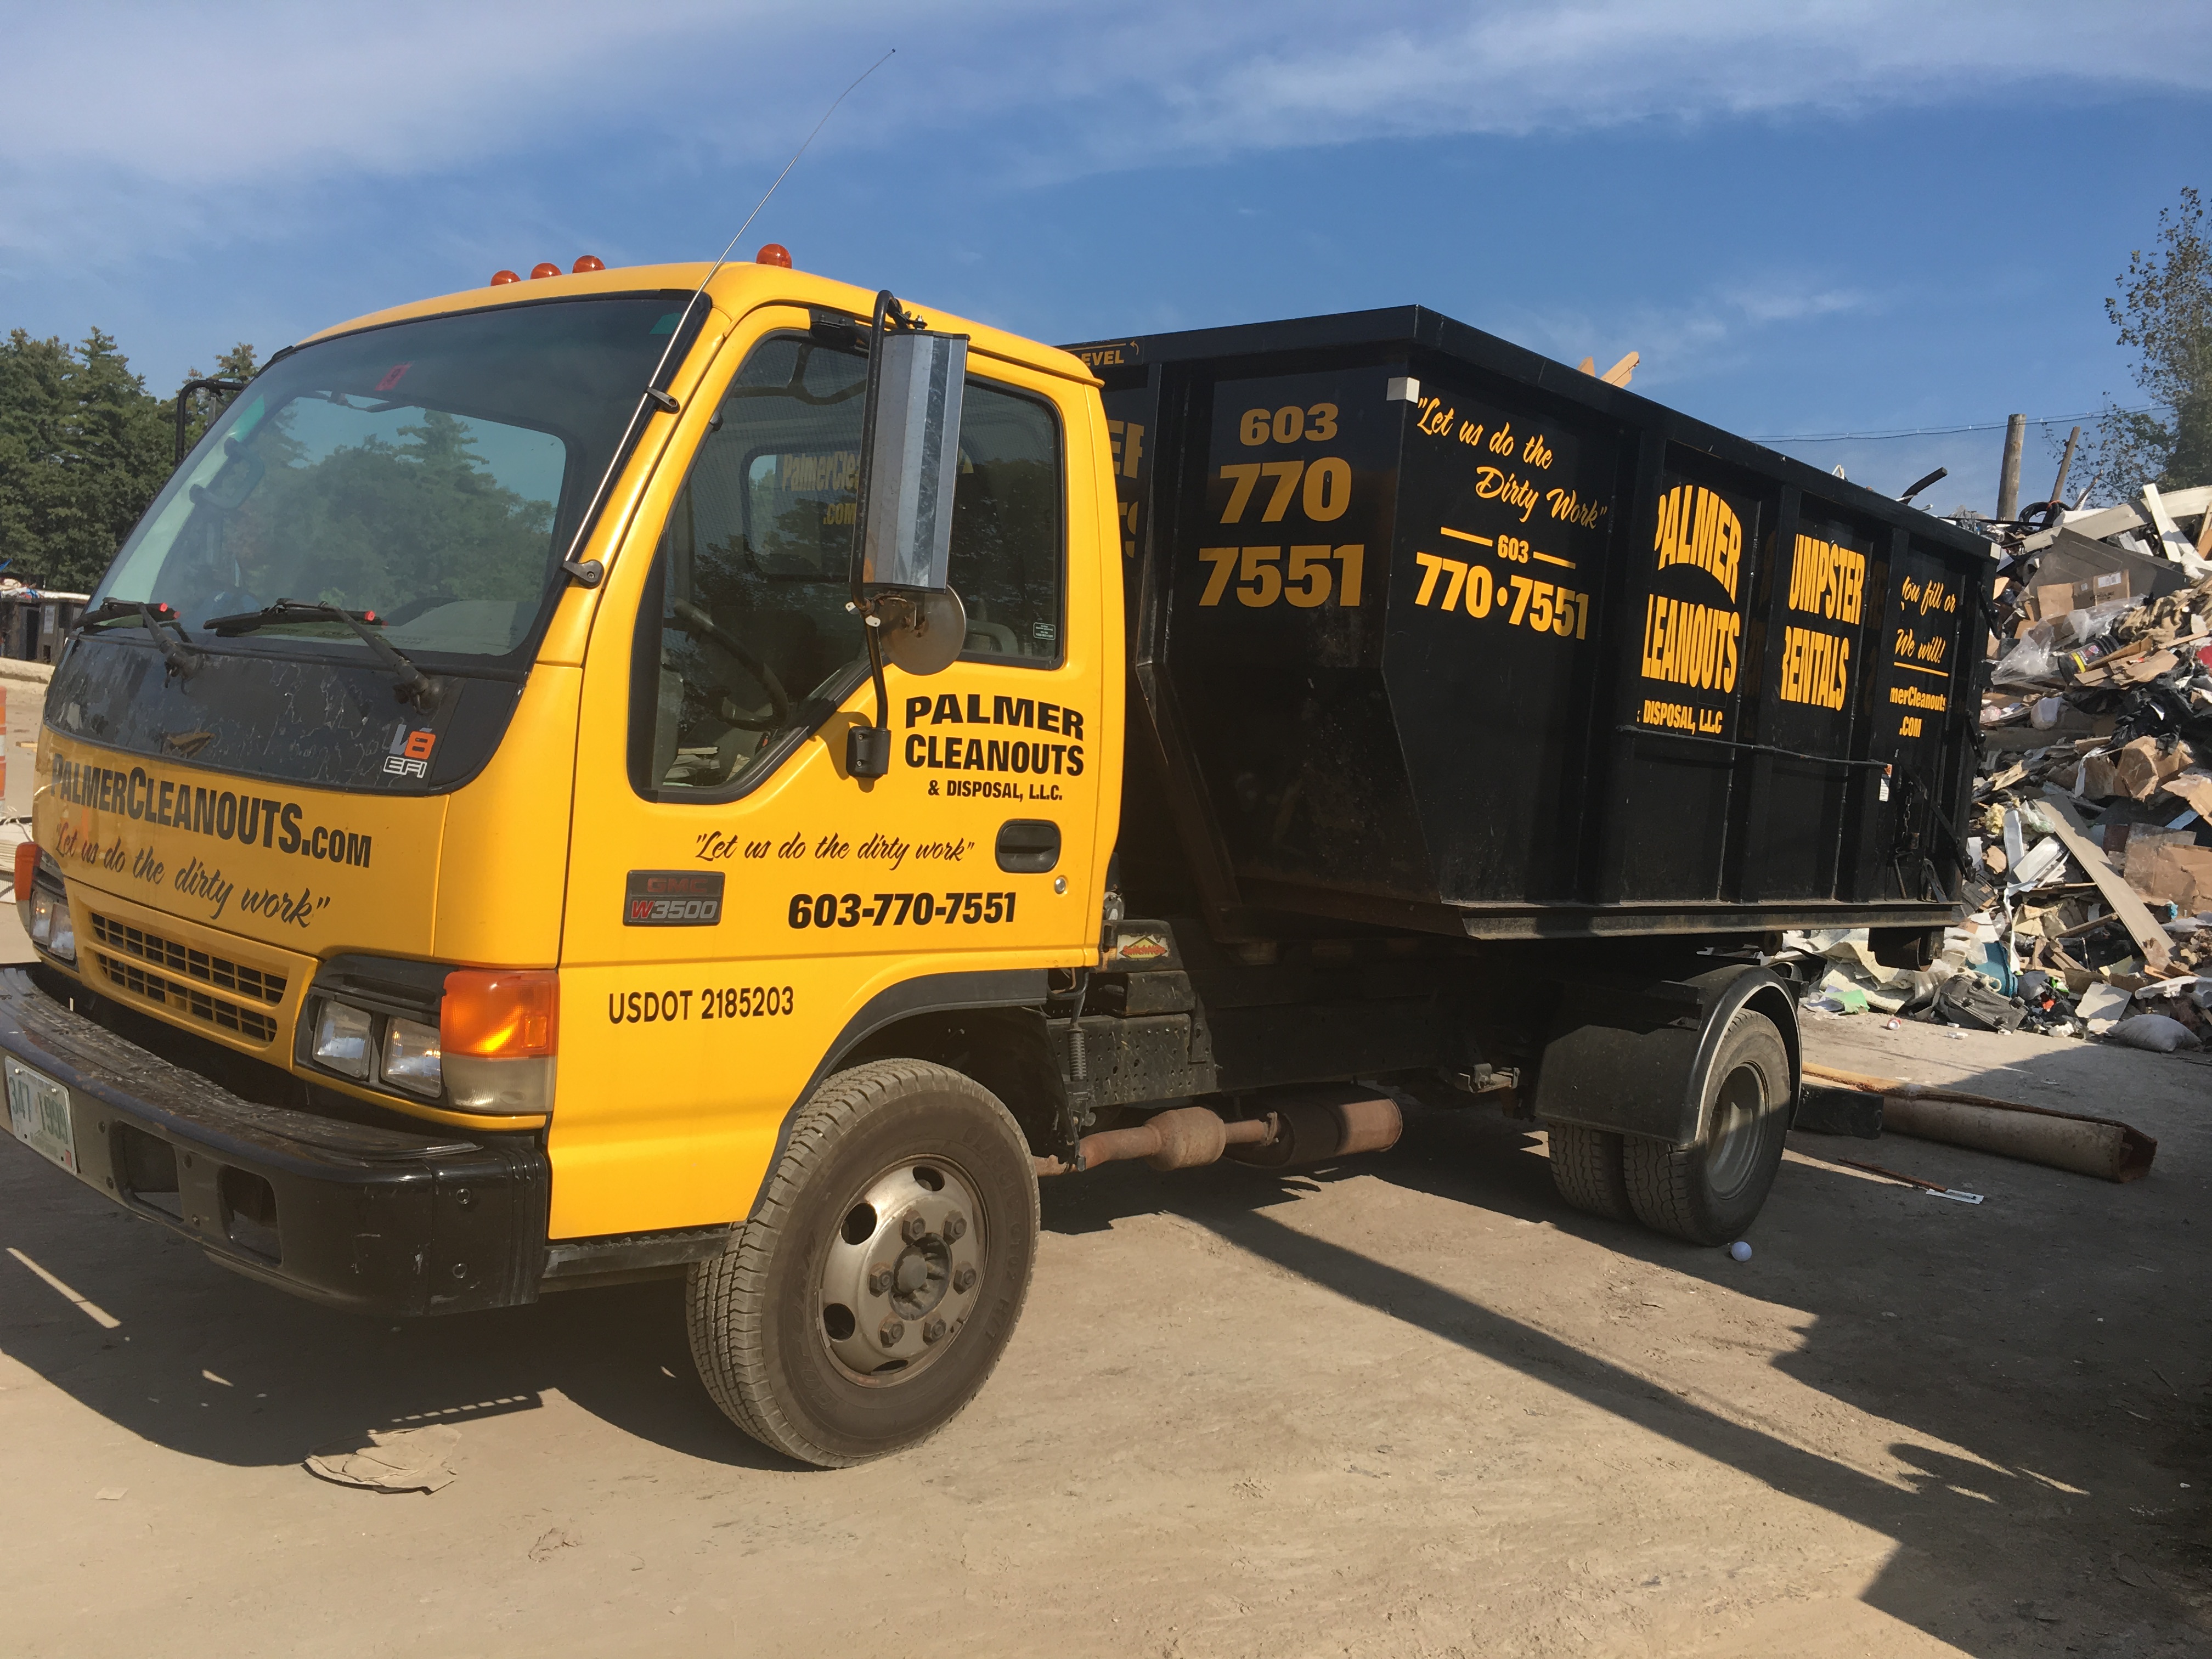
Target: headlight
<point>412,1059</point>
<point>51,927</point>
<point>343,1036</point>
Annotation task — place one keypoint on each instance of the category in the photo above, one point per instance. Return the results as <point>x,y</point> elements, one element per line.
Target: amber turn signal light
<point>26,866</point>
<point>774,253</point>
<point>588,262</point>
<point>501,1014</point>
<point>543,268</point>
<point>500,276</point>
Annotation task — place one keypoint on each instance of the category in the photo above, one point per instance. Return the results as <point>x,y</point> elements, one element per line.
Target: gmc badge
<point>673,898</point>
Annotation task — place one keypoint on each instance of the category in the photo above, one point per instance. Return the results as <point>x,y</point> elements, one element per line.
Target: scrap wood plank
<point>2149,937</point>
<point>2173,542</point>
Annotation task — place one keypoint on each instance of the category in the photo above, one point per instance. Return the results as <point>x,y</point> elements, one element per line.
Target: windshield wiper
<point>284,610</point>
<point>414,686</point>
<point>183,661</point>
<point>130,610</point>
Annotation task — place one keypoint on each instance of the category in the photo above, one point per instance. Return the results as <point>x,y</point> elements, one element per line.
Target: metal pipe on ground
<point>2099,1146</point>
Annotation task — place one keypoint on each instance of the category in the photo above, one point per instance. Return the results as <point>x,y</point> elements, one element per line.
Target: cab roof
<point>736,288</point>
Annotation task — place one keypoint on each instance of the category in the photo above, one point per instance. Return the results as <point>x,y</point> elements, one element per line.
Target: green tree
<point>82,450</point>
<point>2164,314</point>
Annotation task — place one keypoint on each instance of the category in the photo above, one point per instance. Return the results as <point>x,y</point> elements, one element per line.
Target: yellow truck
<point>718,773</point>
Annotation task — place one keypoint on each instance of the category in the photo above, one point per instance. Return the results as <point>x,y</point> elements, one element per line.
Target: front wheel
<point>871,1295</point>
<point>1710,1193</point>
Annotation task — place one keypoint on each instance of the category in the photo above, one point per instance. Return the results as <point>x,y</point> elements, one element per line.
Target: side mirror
<point>910,460</point>
<point>902,522</point>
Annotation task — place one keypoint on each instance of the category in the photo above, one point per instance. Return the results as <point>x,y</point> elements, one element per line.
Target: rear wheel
<point>872,1294</point>
<point>1586,1168</point>
<point>1711,1193</point>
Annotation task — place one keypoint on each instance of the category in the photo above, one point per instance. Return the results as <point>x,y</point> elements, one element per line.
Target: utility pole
<point>2008,479</point>
<point>2065,465</point>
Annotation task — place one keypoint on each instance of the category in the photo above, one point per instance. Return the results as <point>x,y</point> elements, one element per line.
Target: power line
<point>1934,431</point>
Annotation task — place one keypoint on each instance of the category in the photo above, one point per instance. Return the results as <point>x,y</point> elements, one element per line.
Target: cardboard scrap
<point>2142,768</point>
<point>2193,787</point>
<point>2132,856</point>
<point>2179,873</point>
<point>393,1460</point>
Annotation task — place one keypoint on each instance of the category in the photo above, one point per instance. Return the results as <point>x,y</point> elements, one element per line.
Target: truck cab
<point>515,913</point>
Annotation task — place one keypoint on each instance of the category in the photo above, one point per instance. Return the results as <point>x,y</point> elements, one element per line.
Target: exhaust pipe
<point>1179,1139</point>
<point>1307,1127</point>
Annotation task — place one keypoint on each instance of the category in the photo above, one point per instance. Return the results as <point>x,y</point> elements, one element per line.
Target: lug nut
<point>956,1225</point>
<point>891,1332</point>
<point>879,1281</point>
<point>964,1280</point>
<point>914,1229</point>
<point>933,1331</point>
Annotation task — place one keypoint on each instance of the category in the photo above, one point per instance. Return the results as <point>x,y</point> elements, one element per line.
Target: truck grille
<point>135,945</point>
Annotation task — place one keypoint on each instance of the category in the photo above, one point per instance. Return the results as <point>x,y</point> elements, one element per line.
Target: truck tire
<point>1586,1168</point>
<point>1709,1193</point>
<point>871,1295</point>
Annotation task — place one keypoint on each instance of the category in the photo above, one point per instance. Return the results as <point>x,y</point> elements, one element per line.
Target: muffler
<point>1328,1120</point>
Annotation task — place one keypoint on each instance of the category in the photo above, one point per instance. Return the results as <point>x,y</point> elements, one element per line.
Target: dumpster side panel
<point>1276,577</point>
<point>1681,639</point>
<point>1509,519</point>
<point>1812,628</point>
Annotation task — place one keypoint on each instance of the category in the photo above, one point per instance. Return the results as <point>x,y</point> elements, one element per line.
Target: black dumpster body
<point>1429,633</point>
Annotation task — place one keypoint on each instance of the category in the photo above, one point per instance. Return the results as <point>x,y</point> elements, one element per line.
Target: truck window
<point>430,471</point>
<point>744,644</point>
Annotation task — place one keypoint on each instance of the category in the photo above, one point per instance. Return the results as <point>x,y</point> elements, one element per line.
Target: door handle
<point>1028,847</point>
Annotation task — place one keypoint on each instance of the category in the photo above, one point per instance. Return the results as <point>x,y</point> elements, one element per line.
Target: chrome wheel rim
<point>899,1276</point>
<point>1737,1113</point>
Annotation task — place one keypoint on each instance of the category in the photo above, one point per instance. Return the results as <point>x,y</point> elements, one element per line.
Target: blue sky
<point>1845,215</point>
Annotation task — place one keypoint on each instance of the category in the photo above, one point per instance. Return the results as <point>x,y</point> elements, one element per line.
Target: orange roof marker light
<point>499,277</point>
<point>543,268</point>
<point>774,253</point>
<point>587,262</point>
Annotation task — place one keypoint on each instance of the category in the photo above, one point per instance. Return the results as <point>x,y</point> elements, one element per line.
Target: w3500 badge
<point>673,898</point>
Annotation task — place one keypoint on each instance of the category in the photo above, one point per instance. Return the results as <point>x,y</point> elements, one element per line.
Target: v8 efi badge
<point>673,898</point>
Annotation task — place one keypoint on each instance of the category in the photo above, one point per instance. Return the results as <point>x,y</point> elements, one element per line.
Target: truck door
<point>734,899</point>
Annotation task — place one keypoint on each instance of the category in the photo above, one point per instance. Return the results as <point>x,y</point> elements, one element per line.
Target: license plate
<point>38,1112</point>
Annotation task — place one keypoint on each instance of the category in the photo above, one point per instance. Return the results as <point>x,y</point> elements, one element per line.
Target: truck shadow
<point>2026,1377</point>
<point>217,1367</point>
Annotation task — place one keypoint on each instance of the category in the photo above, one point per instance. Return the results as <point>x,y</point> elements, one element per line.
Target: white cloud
<point>1684,343</point>
<point>130,123</point>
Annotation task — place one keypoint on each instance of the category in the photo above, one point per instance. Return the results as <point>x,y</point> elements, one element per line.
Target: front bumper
<point>378,1219</point>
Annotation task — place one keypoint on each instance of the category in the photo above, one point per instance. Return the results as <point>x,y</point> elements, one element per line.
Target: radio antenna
<point>795,154</point>
<point>590,573</point>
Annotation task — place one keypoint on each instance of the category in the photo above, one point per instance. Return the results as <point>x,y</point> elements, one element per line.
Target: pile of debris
<point>2091,836</point>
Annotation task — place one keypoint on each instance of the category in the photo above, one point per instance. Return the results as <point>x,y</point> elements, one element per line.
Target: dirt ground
<point>1416,1407</point>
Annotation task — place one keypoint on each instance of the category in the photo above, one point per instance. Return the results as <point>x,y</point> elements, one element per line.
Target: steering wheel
<point>697,621</point>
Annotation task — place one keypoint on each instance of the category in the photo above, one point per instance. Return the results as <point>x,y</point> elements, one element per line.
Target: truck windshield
<point>430,472</point>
